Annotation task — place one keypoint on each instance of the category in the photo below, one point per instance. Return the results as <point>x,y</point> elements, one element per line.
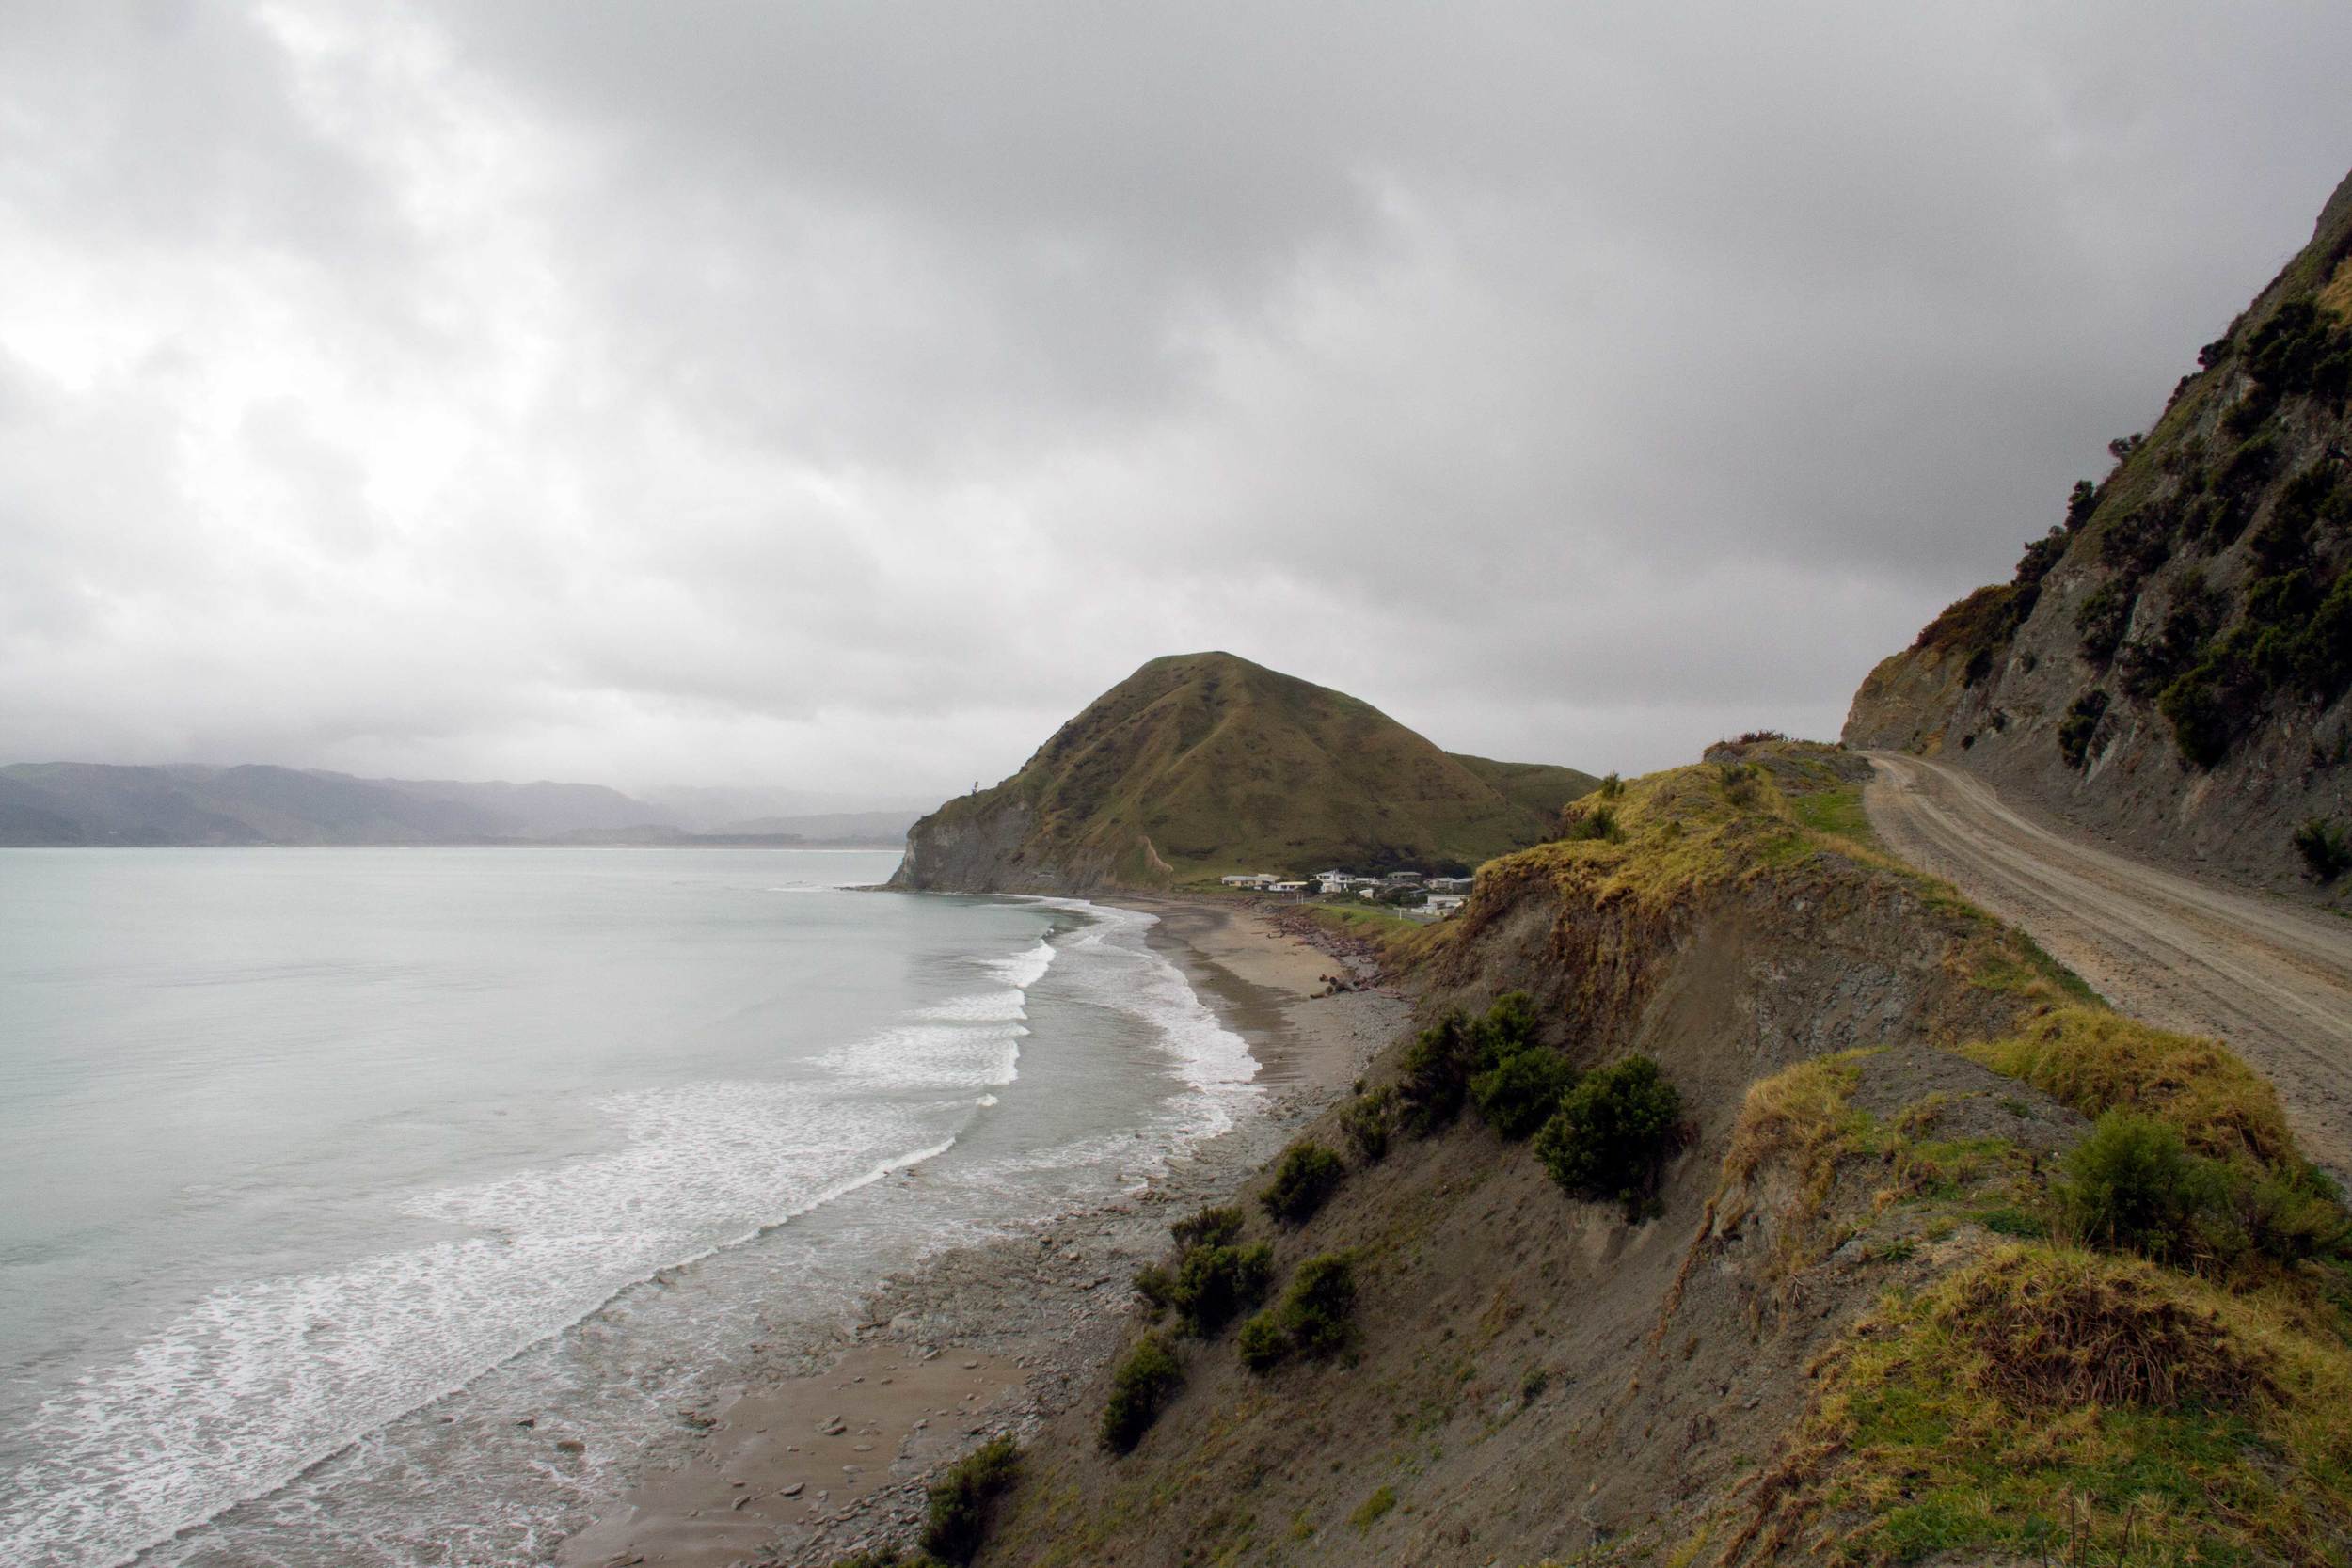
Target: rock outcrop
<point>2169,666</point>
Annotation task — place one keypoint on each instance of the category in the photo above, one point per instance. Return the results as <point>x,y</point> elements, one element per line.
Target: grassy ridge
<point>1205,764</point>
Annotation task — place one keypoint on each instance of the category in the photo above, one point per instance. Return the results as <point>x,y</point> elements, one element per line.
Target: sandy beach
<point>823,1445</point>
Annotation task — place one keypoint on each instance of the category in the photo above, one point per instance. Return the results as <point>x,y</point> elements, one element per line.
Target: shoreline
<point>824,1447</point>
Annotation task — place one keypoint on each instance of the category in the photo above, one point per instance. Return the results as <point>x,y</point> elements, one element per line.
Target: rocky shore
<point>825,1447</point>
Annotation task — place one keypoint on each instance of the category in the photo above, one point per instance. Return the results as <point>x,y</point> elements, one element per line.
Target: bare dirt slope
<point>2272,979</point>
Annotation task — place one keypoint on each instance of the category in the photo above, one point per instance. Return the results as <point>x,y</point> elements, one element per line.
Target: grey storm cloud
<point>839,394</point>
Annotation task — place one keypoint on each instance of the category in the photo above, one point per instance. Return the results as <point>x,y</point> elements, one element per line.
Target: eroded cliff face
<point>1533,1377</point>
<point>2171,667</point>
<point>967,850</point>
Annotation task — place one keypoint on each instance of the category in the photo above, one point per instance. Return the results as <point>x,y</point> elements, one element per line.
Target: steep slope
<point>1839,1328</point>
<point>2169,666</point>
<point>1204,763</point>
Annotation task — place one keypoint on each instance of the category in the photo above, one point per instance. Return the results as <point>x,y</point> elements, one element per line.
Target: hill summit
<point>1203,764</point>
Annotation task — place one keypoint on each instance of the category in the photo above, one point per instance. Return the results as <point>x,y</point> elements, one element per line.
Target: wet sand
<point>1264,983</point>
<point>993,1339</point>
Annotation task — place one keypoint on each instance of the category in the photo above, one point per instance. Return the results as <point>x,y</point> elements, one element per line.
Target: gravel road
<point>2271,978</point>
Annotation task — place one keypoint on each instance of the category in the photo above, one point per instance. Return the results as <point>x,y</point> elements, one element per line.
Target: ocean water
<point>324,1170</point>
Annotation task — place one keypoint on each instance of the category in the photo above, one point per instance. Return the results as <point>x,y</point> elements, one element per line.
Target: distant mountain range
<point>66,804</point>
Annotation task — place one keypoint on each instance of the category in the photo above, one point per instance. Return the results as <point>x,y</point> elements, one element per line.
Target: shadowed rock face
<point>1205,763</point>
<point>2170,668</point>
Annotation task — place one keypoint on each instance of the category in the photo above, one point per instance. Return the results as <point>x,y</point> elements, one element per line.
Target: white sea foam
<point>971,1041</point>
<point>995,1006</point>
<point>227,1400</point>
<point>931,1057</point>
<point>258,1381</point>
<point>1137,981</point>
<point>1024,969</point>
<point>1111,964</point>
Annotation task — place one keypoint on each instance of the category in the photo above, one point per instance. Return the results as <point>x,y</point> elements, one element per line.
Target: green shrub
<point>1610,787</point>
<point>1316,1318</point>
<point>1507,1025</point>
<point>957,1518</point>
<point>1439,1067</point>
<point>1519,1094</point>
<point>1262,1343</point>
<point>1157,1287</point>
<point>2301,351</point>
<point>1319,1308</point>
<point>2325,848</point>
<point>1142,1387</point>
<point>1214,1284</point>
<point>2133,1190</point>
<point>1612,1132</point>
<point>1581,824</point>
<point>2293,1214</point>
<point>2103,617</point>
<point>1213,1277</point>
<point>2080,503</point>
<point>2080,726</point>
<point>1437,1073</point>
<point>2133,1185</point>
<point>2200,717</point>
<point>1217,1227</point>
<point>1368,1121</point>
<point>1303,1183</point>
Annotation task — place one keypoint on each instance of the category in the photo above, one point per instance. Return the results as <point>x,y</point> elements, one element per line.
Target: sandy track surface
<point>2273,979</point>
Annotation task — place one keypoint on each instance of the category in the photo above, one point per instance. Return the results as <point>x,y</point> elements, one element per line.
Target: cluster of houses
<point>1443,895</point>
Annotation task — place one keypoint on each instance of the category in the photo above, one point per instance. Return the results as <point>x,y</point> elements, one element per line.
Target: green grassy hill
<point>1202,764</point>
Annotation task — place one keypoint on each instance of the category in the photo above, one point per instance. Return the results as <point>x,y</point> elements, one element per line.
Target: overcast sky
<point>839,395</point>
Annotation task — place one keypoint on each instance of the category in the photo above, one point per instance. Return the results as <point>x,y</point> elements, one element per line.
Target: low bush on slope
<point>1303,1183</point>
<point>956,1517</point>
<point>1611,1134</point>
<point>1213,1276</point>
<point>1145,1379</point>
<point>1316,1318</point>
<point>2191,1411</point>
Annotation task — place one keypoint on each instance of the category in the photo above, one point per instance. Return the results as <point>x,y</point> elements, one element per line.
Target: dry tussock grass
<point>2094,1061</point>
<point>2055,1331</point>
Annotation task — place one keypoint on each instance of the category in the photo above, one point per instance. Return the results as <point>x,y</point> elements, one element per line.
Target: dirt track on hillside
<point>2272,979</point>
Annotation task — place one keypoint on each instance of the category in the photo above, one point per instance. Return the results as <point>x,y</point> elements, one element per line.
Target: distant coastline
<point>78,805</point>
<point>601,841</point>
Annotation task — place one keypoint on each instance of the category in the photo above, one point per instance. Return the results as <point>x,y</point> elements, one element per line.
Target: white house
<point>1260,881</point>
<point>1286,887</point>
<point>1442,904</point>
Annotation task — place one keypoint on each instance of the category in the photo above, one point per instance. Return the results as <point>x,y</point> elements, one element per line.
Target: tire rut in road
<point>2273,980</point>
